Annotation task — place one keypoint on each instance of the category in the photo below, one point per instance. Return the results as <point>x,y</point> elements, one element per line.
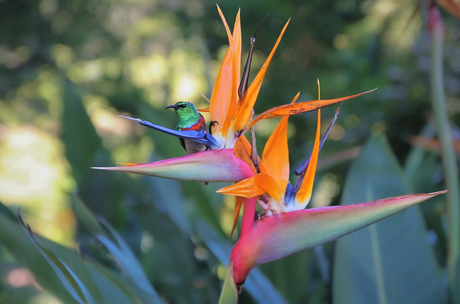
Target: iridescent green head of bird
<point>189,118</point>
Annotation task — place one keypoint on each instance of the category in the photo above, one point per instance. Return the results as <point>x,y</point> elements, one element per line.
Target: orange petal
<point>255,186</point>
<point>238,204</point>
<point>276,152</point>
<point>246,104</point>
<point>303,196</point>
<point>243,153</point>
<point>236,66</point>
<point>301,107</point>
<point>222,95</point>
<point>270,186</point>
<point>229,35</point>
<point>248,148</point>
<point>246,188</point>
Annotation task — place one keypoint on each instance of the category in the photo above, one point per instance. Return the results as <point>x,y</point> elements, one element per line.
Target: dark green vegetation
<point>68,67</point>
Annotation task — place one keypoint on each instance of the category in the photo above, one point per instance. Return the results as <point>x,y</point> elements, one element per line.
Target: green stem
<point>447,151</point>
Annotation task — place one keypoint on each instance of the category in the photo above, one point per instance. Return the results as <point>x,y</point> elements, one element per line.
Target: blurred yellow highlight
<point>33,174</point>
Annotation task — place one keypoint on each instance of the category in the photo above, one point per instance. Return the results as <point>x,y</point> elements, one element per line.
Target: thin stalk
<point>249,213</point>
<point>447,151</point>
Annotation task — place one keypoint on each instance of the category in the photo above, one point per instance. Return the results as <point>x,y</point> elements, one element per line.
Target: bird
<point>189,119</point>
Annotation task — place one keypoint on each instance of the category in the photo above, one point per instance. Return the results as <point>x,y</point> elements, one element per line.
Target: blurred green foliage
<point>68,67</point>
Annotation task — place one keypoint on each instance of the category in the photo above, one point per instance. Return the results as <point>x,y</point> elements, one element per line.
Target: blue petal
<point>196,136</point>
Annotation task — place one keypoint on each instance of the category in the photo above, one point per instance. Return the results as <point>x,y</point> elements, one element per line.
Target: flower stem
<point>447,151</point>
<point>249,212</point>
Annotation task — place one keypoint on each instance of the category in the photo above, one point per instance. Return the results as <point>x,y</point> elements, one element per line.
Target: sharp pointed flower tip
<point>304,194</point>
<point>246,104</point>
<point>302,107</point>
<point>304,165</point>
<point>207,166</point>
<point>283,234</point>
<point>246,188</point>
<point>229,294</point>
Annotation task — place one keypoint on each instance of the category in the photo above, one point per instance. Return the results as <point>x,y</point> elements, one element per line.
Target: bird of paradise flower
<point>287,226</point>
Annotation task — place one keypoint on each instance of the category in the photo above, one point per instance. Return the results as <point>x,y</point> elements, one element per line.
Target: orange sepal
<point>301,107</point>
<point>222,93</point>
<point>236,66</point>
<point>238,204</point>
<point>248,148</point>
<point>246,104</point>
<point>240,150</point>
<point>270,186</point>
<point>255,186</point>
<point>246,188</point>
<point>304,194</point>
<point>205,110</point>
<point>276,152</point>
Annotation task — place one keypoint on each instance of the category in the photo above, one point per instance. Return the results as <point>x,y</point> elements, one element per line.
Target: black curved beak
<point>175,107</point>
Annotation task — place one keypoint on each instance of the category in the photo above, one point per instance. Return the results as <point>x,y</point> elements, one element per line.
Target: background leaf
<point>390,261</point>
<point>16,241</point>
<point>128,263</point>
<point>70,281</point>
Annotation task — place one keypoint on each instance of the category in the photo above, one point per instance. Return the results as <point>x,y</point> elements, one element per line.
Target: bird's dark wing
<point>182,143</point>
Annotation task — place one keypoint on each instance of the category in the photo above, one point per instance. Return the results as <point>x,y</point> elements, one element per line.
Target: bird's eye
<point>182,106</point>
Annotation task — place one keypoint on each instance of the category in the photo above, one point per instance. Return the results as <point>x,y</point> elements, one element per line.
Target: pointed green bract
<point>229,293</point>
<point>283,234</point>
<point>388,261</point>
<point>206,166</point>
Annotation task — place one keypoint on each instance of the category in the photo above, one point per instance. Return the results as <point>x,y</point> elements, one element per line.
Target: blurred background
<point>68,67</point>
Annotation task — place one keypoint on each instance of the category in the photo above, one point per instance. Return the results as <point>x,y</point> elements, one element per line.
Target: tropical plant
<point>389,262</point>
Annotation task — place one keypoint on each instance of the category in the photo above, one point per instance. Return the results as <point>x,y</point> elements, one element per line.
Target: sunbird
<point>189,119</point>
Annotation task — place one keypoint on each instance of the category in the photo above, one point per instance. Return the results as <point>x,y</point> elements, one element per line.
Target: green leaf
<point>170,262</point>
<point>109,290</point>
<point>390,261</point>
<point>100,191</point>
<point>169,199</point>
<point>68,278</point>
<point>16,241</point>
<point>55,266</point>
<point>229,294</point>
<point>422,167</point>
<point>7,212</point>
<point>61,270</point>
<point>79,135</point>
<point>130,266</point>
<point>85,216</point>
